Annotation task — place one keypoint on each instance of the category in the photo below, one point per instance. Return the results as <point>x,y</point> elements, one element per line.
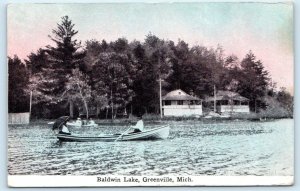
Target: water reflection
<point>56,144</point>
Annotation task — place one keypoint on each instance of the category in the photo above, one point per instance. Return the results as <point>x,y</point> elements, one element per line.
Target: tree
<point>202,71</point>
<point>180,58</point>
<point>36,61</point>
<point>18,97</point>
<point>232,62</point>
<point>232,73</point>
<point>142,81</point>
<point>157,66</point>
<point>78,90</point>
<point>286,100</point>
<point>114,81</point>
<point>111,73</point>
<point>99,90</point>
<point>50,83</point>
<point>253,81</point>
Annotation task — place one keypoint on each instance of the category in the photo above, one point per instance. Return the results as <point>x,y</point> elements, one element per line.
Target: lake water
<point>193,148</point>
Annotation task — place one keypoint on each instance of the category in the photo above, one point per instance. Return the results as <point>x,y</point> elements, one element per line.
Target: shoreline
<point>158,120</point>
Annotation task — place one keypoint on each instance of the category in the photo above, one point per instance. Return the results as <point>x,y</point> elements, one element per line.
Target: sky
<point>264,28</point>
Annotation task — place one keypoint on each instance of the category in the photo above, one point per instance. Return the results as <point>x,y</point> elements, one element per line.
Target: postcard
<point>150,94</point>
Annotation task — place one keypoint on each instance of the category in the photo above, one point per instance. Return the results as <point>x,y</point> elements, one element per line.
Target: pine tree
<point>158,66</point>
<point>143,80</point>
<point>50,84</point>
<point>253,81</point>
<point>179,60</point>
<point>36,61</point>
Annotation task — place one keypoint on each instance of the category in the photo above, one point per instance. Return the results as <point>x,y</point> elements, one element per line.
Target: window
<point>180,102</point>
<point>236,102</point>
<point>244,103</point>
<point>167,102</point>
<point>224,102</point>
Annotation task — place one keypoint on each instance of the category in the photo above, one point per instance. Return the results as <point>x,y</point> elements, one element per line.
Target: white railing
<point>182,110</point>
<point>235,108</point>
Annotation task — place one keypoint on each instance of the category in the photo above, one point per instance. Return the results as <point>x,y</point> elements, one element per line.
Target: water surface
<point>193,148</point>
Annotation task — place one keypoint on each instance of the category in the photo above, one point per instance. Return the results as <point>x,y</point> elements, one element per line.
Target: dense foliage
<point>17,84</point>
<point>108,79</point>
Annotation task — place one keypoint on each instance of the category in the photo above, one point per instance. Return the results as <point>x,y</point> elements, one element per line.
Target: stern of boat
<point>164,133</point>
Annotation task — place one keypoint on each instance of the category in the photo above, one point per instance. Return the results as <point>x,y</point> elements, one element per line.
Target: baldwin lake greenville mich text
<point>133,179</point>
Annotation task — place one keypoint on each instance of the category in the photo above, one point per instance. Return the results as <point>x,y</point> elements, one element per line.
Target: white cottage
<point>231,102</point>
<point>179,103</point>
<point>19,118</point>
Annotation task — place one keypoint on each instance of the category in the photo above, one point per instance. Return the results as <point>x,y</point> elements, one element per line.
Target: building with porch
<point>230,102</point>
<point>179,103</point>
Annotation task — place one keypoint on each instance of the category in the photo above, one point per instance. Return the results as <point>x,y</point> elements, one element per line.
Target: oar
<point>122,134</point>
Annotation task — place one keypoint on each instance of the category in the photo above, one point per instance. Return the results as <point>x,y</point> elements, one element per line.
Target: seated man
<point>92,122</point>
<point>139,127</point>
<point>64,130</point>
<point>78,122</point>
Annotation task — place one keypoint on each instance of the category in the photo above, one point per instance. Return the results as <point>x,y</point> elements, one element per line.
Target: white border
<point>92,181</point>
<point>3,98</point>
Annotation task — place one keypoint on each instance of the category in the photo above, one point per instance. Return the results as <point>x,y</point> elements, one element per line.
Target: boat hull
<point>152,134</point>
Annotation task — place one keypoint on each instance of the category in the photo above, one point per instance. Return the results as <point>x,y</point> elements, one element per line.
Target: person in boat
<point>78,121</point>
<point>61,124</point>
<point>139,126</point>
<point>64,130</point>
<point>91,122</point>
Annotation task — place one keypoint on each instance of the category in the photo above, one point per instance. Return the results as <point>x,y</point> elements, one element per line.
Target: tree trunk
<point>84,102</point>
<point>112,105</point>
<point>116,111</point>
<point>215,99</point>
<point>71,108</point>
<point>97,111</point>
<point>87,109</point>
<point>106,113</point>
<point>30,103</point>
<point>255,105</point>
<point>160,99</point>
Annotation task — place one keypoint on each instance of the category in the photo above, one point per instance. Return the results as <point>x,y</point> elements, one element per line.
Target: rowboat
<point>151,134</point>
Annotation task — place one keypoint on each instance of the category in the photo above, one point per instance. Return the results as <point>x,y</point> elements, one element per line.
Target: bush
<point>275,109</point>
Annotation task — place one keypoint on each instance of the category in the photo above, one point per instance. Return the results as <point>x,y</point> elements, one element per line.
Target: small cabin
<point>231,102</point>
<point>179,103</point>
<point>19,118</point>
